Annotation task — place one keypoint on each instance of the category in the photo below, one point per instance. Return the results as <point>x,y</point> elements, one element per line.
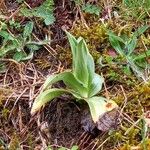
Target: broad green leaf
<point>52,79</point>
<point>45,11</point>
<point>90,64</point>
<point>28,29</point>
<point>49,19</point>
<point>83,63</point>
<point>100,105</point>
<point>116,43</point>
<point>45,97</point>
<point>80,57</point>
<point>95,85</point>
<point>77,95</point>
<point>81,70</point>
<point>73,44</point>
<point>69,80</point>
<point>26,12</point>
<point>140,30</point>
<point>131,45</point>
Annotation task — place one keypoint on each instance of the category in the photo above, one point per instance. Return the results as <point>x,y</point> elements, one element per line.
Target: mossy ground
<point>20,82</point>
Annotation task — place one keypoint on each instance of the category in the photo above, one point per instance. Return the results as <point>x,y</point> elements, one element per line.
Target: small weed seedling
<point>125,46</point>
<point>15,45</point>
<point>44,12</point>
<point>82,82</point>
<point>88,8</point>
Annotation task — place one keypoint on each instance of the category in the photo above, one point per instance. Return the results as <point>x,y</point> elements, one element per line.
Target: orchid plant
<point>82,82</point>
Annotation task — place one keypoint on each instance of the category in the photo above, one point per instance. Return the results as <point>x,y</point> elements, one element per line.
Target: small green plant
<point>91,9</point>
<point>15,45</point>
<point>88,8</point>
<point>82,82</point>
<point>125,46</point>
<point>44,11</point>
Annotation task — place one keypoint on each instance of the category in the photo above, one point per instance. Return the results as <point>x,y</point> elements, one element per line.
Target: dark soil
<point>65,121</point>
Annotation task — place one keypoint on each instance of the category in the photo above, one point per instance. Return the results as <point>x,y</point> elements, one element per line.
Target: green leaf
<point>116,43</point>
<point>79,52</point>
<point>141,56</point>
<point>28,29</point>
<point>131,45</point>
<point>49,19</point>
<point>95,85</point>
<point>81,70</point>
<point>91,9</point>
<point>99,105</point>
<point>69,80</point>
<point>141,30</point>
<point>26,12</point>
<point>45,97</point>
<point>83,63</point>
<point>90,64</point>
<point>73,44</point>
<point>127,70</point>
<point>45,11</point>
<point>116,37</point>
<point>19,56</point>
<point>7,36</point>
<point>75,147</point>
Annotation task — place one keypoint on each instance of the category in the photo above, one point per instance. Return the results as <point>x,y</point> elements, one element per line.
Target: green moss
<point>42,63</point>
<point>126,147</point>
<point>146,39</point>
<point>5,112</point>
<point>95,36</point>
<point>31,141</point>
<point>14,143</point>
<point>64,55</point>
<point>3,94</point>
<point>137,98</point>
